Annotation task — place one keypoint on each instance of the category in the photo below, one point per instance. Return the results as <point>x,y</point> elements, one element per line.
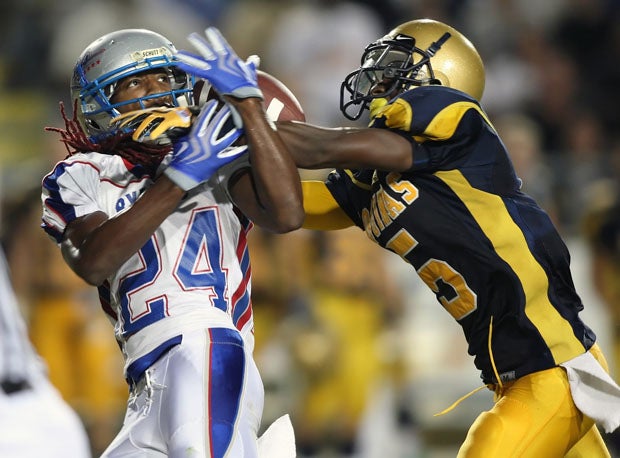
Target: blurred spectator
<point>27,29</point>
<point>601,228</point>
<point>512,77</point>
<point>34,419</point>
<point>493,25</point>
<point>341,352</point>
<point>66,325</point>
<point>556,102</point>
<point>589,33</point>
<point>522,137</point>
<point>583,160</point>
<point>314,45</point>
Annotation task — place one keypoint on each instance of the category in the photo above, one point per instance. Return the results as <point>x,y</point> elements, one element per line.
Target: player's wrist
<point>246,92</point>
<point>242,108</point>
<point>246,101</point>
<point>167,180</point>
<point>181,179</point>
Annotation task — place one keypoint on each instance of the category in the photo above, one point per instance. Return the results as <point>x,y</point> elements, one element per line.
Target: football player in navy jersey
<point>430,180</point>
<point>158,224</point>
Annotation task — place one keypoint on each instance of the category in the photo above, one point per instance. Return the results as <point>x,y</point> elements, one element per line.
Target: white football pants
<point>203,398</point>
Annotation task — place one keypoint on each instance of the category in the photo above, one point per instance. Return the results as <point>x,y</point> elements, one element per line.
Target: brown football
<point>280,103</point>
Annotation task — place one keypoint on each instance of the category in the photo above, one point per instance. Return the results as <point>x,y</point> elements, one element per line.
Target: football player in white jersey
<point>34,419</point>
<point>156,223</point>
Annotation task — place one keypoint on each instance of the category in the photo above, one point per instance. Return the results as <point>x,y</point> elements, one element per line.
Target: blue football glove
<point>207,147</point>
<point>219,64</point>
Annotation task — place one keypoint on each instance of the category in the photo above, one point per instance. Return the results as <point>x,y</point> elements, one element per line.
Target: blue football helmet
<point>113,57</point>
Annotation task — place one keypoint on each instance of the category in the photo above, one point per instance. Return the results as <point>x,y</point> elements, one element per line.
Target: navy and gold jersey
<point>490,254</point>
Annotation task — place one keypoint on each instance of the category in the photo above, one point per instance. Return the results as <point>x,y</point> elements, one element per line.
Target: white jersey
<point>34,419</point>
<point>18,360</point>
<point>194,271</point>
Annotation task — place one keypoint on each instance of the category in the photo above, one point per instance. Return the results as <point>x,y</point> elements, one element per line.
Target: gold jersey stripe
<point>445,123</point>
<point>509,243</point>
<point>399,115</point>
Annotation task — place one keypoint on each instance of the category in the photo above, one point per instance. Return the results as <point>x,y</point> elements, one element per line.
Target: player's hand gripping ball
<point>279,101</point>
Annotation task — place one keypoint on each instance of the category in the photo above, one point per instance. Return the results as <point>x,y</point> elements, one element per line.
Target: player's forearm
<point>275,175</point>
<point>314,147</point>
<point>95,247</point>
<point>311,147</point>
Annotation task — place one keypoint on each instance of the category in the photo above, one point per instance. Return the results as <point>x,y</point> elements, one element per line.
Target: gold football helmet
<point>416,53</point>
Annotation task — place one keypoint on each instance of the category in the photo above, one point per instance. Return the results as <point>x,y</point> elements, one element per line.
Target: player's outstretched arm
<point>314,147</point>
<point>269,193</point>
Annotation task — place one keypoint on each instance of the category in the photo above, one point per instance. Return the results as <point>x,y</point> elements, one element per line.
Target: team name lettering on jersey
<point>127,200</point>
<point>384,208</point>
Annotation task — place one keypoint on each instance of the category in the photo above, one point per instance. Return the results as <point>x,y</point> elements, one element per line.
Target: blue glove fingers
<point>218,43</point>
<point>253,62</point>
<point>230,154</point>
<point>193,64</point>
<point>202,46</point>
<point>218,63</point>
<point>206,148</point>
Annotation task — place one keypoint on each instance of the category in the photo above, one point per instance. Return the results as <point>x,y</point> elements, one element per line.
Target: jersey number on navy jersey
<point>448,284</point>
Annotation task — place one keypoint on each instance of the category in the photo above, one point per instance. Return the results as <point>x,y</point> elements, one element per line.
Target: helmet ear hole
<point>92,124</point>
<point>179,77</point>
<point>441,78</point>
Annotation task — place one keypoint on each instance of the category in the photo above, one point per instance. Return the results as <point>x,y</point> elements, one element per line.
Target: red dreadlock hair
<point>121,144</point>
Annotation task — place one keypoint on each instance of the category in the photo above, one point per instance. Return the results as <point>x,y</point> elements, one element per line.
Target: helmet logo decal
<point>91,60</point>
<point>92,65</point>
<point>150,53</point>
